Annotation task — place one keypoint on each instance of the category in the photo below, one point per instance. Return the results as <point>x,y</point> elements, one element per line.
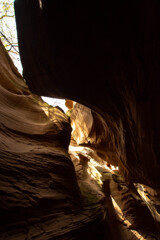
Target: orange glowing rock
<point>69,104</point>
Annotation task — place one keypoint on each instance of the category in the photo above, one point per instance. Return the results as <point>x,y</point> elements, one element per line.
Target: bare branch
<point>3,16</point>
<point>12,46</point>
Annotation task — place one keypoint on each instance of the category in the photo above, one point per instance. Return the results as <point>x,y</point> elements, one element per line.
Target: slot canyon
<point>93,172</point>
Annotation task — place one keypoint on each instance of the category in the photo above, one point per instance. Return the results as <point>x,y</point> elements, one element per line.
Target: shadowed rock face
<point>106,56</point>
<point>39,194</point>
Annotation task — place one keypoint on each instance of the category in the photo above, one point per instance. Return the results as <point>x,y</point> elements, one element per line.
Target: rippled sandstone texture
<point>39,194</point>
<point>106,56</point>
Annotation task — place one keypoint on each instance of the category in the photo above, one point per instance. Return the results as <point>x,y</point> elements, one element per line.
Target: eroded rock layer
<point>39,194</point>
<point>106,56</point>
<point>99,148</point>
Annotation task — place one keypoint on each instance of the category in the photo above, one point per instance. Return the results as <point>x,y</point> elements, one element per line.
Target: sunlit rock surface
<point>39,194</point>
<point>133,209</point>
<point>104,136</point>
<point>106,56</point>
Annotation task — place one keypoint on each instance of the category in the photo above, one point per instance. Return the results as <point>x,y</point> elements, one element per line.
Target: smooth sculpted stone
<point>103,135</point>
<point>106,56</point>
<point>39,195</point>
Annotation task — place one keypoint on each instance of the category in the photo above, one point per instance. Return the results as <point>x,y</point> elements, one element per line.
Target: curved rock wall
<point>39,194</point>
<point>90,129</point>
<point>106,56</point>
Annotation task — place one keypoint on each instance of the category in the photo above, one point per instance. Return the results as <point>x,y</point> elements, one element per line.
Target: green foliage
<point>8,33</point>
<point>6,7</point>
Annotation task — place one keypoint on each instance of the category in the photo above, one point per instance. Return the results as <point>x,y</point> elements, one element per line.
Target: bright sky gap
<point>55,102</point>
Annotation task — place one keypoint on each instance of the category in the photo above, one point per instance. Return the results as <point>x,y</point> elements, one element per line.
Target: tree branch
<point>12,46</point>
<point>3,16</point>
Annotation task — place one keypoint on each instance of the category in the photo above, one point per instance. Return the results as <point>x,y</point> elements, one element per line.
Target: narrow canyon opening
<point>92,170</point>
<point>100,179</point>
